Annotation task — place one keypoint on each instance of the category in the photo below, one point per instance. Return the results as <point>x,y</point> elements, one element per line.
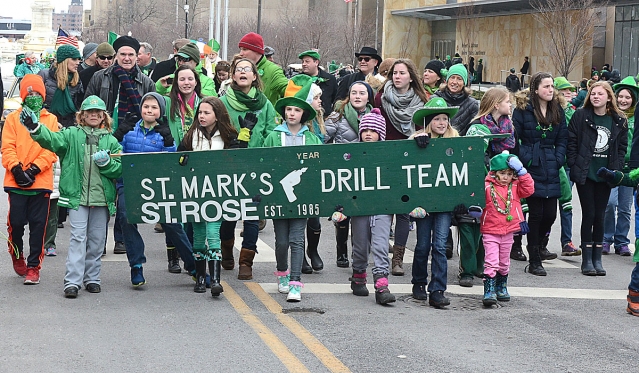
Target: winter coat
<point>468,109</point>
<point>87,74</point>
<point>494,222</point>
<point>542,157</point>
<point>18,147</point>
<point>51,85</point>
<point>338,130</point>
<point>265,121</point>
<point>512,83</point>
<point>281,132</point>
<point>583,137</point>
<point>106,85</point>
<point>328,84</point>
<point>55,194</point>
<point>142,140</point>
<point>273,80</point>
<point>175,123</point>
<point>71,146</point>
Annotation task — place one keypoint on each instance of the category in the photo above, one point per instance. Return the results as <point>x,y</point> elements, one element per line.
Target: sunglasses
<point>365,59</point>
<point>183,59</point>
<point>245,69</point>
<point>105,58</point>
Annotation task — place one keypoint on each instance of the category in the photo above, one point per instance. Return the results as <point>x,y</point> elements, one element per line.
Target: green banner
<point>304,181</point>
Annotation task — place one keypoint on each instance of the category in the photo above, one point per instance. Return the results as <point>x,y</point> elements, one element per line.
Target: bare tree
<point>570,25</point>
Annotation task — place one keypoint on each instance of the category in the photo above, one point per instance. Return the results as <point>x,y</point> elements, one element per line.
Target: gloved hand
<point>236,144</point>
<point>338,215</point>
<point>422,140</point>
<point>22,179</point>
<point>125,127</point>
<point>32,171</point>
<point>29,119</point>
<point>418,213</point>
<point>606,174</point>
<point>246,126</point>
<point>515,164</point>
<point>101,158</point>
<point>163,129</point>
<point>475,211</point>
<point>524,228</point>
<point>460,210</point>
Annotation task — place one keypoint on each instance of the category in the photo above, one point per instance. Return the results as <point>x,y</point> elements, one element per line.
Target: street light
<point>186,23</point>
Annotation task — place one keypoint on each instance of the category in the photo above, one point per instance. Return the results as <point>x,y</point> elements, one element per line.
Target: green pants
<point>206,241</point>
<point>471,252</point>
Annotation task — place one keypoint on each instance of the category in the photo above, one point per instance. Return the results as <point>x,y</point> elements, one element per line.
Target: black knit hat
<point>437,66</point>
<point>126,41</point>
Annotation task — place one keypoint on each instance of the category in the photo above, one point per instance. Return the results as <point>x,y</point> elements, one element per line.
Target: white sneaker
<point>283,281</point>
<point>294,291</point>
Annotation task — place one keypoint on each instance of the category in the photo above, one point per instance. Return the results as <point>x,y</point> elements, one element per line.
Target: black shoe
<point>93,288</point>
<point>119,248</point>
<point>312,243</point>
<point>173,260</point>
<point>71,292</point>
<point>466,281</point>
<point>60,226</point>
<point>215,268</point>
<point>200,276</point>
<point>306,268</point>
<point>438,300</point>
<point>342,261</point>
<point>516,253</point>
<point>547,255</point>
<point>419,292</point>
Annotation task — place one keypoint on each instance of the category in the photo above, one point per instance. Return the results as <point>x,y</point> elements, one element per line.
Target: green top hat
<point>628,83</point>
<point>297,93</point>
<point>93,102</point>
<point>562,83</point>
<point>436,105</point>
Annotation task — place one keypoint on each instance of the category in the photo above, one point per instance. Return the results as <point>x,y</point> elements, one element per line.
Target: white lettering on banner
<point>460,177</point>
<point>421,175</point>
<point>189,191</point>
<point>209,211</point>
<point>163,181</point>
<point>265,179</point>
<point>409,181</point>
<point>330,173</point>
<point>442,176</point>
<point>379,180</point>
<point>144,185</point>
<point>343,175</point>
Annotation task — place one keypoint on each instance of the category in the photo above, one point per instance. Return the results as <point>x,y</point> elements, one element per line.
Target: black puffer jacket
<point>468,109</point>
<point>51,85</point>
<point>542,157</point>
<point>582,136</point>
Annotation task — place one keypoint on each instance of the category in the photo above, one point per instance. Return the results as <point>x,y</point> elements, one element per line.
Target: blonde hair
<point>492,97</point>
<point>62,75</point>
<point>317,91</point>
<point>611,106</point>
<point>450,131</point>
<point>107,122</point>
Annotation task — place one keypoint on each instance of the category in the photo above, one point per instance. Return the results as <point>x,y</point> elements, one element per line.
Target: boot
<point>358,283</point>
<point>200,276</point>
<point>501,287</point>
<point>534,263</point>
<point>398,260</point>
<point>490,297</point>
<point>174,260</point>
<point>516,252</point>
<point>306,268</point>
<point>544,253</point>
<point>586,259</point>
<point>382,294</point>
<point>449,244</point>
<point>215,267</point>
<point>228,262</point>
<point>312,241</point>
<point>341,236</point>
<point>596,259</point>
<point>246,264</point>
<point>633,302</point>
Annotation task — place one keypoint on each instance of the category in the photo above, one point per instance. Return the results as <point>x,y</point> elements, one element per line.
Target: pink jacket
<point>494,222</point>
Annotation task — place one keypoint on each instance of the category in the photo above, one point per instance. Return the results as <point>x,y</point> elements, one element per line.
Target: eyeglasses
<point>245,69</point>
<point>105,57</point>
<point>365,59</point>
<point>183,59</point>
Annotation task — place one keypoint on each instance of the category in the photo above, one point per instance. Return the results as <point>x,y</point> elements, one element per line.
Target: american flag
<point>347,1</point>
<point>65,38</point>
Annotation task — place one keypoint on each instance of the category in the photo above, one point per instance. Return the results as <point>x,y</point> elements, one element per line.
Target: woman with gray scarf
<point>402,94</point>
<point>455,93</point>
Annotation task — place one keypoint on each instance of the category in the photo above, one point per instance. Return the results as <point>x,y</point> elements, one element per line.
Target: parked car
<point>12,100</point>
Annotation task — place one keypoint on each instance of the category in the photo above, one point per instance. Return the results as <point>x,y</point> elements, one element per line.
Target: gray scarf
<point>400,108</point>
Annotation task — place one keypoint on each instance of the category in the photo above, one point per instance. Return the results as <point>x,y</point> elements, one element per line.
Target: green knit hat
<point>190,51</point>
<point>93,102</point>
<point>296,94</point>
<point>630,84</point>
<point>562,83</point>
<point>458,69</point>
<point>311,53</point>
<point>67,51</point>
<point>500,161</point>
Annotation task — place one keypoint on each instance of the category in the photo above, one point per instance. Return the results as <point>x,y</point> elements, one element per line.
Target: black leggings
<point>541,215</point>
<point>593,198</point>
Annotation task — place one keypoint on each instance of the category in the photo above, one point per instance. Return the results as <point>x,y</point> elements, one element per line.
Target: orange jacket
<point>18,147</point>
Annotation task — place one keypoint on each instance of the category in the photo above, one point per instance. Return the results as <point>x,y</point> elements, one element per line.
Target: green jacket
<point>175,123</point>
<point>276,138</point>
<point>265,122</point>
<point>207,86</point>
<point>273,80</point>
<point>79,184</point>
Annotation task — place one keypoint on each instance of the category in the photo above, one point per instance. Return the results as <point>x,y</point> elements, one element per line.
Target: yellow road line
<point>279,349</point>
<point>313,344</point>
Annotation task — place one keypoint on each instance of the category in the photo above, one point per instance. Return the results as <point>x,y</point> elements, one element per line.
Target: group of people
<point>250,103</point>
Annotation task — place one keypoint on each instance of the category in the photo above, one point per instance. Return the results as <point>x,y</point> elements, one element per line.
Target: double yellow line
<point>279,349</point>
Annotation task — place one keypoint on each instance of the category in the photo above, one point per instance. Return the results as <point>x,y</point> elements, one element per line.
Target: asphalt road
<point>565,322</point>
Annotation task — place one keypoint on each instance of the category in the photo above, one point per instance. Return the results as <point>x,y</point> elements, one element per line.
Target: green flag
<point>112,37</point>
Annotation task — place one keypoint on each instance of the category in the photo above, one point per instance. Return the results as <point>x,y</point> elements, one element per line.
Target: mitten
<point>125,127</point>
<point>22,179</point>
<point>338,216</point>
<point>515,164</point>
<point>29,119</point>
<point>418,213</point>
<point>475,211</point>
<point>460,210</point>
<point>422,140</point>
<point>101,158</point>
<point>606,174</point>
<point>246,126</point>
<point>163,129</point>
<point>32,171</point>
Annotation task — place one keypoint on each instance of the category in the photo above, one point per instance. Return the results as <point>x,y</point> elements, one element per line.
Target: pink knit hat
<point>373,121</point>
<point>253,41</point>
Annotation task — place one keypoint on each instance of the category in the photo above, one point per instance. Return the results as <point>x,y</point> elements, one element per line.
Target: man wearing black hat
<point>368,61</point>
<point>327,82</point>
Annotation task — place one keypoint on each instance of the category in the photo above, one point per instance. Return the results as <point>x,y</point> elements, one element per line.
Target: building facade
<point>70,20</point>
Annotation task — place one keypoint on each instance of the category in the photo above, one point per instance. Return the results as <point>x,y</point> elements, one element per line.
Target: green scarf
<point>353,116</point>
<point>430,89</point>
<point>62,104</point>
<point>630,112</point>
<point>240,101</point>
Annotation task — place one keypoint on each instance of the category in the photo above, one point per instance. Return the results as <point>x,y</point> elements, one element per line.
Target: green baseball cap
<point>93,102</point>
<point>311,53</point>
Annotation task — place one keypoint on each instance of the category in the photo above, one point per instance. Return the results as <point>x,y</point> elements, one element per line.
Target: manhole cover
<point>302,310</point>
<point>456,303</point>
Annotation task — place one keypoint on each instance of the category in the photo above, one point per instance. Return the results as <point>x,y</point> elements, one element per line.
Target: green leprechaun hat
<point>435,106</point>
<point>297,94</point>
<point>628,83</point>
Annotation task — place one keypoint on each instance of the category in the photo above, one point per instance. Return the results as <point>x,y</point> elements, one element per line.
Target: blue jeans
<point>438,223</point>
<point>251,231</point>
<point>634,279</point>
<point>135,245</point>
<point>620,201</point>
<point>118,236</point>
<point>289,233</point>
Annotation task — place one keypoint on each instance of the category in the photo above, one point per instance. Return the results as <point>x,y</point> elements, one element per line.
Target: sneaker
<point>19,264</point>
<point>294,291</point>
<point>419,292</point>
<point>119,248</point>
<point>33,276</point>
<point>623,251</point>
<point>283,279</point>
<point>137,276</point>
<point>50,251</point>
<point>93,288</point>
<point>606,248</point>
<point>466,281</point>
<point>438,300</point>
<point>569,249</point>
<point>71,292</point>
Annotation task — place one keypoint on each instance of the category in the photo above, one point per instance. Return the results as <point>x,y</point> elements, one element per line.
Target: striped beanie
<point>373,121</point>
<point>252,41</point>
